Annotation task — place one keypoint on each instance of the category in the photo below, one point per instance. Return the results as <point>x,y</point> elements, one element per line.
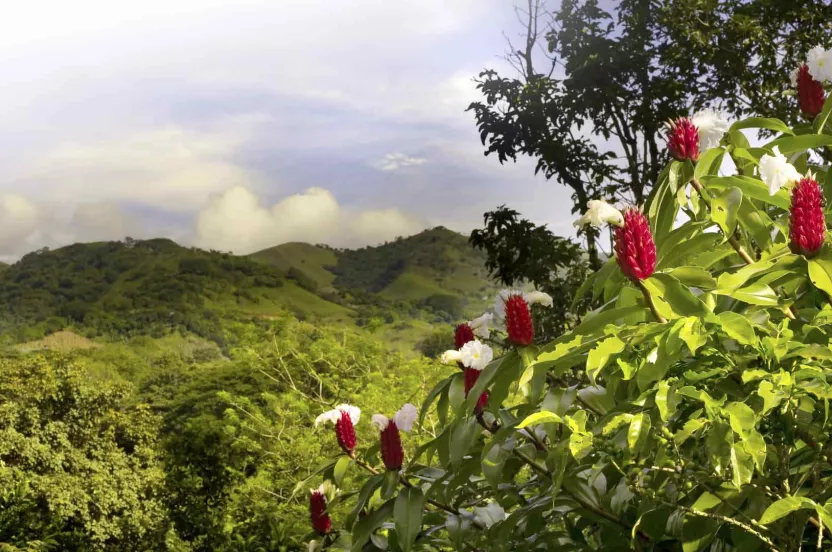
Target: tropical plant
<point>689,412</point>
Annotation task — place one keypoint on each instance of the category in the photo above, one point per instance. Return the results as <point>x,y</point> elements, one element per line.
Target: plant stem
<point>747,528</point>
<point>650,303</point>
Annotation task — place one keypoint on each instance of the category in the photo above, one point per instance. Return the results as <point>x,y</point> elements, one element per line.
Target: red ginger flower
<point>462,335</point>
<point>810,96</point>
<point>807,226</point>
<point>519,321</point>
<point>471,377</point>
<point>683,140</point>
<point>390,441</point>
<point>344,417</point>
<point>635,250</point>
<point>317,512</point>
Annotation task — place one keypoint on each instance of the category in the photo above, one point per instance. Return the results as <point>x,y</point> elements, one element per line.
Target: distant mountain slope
<point>400,288</point>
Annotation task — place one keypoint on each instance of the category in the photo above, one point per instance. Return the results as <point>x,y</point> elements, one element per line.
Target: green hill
<point>399,289</point>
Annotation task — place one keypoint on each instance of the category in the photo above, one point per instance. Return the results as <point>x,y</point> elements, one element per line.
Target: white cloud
<point>396,161</point>
<point>169,168</point>
<point>104,221</point>
<point>237,221</point>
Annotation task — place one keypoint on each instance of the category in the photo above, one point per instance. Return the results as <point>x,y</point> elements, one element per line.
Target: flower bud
<point>807,226</point>
<point>392,452</point>
<point>635,250</point>
<point>519,321</point>
<point>318,514</point>
<point>683,140</point>
<point>462,335</point>
<point>345,432</point>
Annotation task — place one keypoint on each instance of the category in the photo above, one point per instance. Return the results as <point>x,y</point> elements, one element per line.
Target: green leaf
<point>543,417</point>
<point>690,427</point>
<point>820,272</point>
<point>693,334</point>
<point>407,515</point>
<point>762,122</point>
<point>366,525</point>
<point>784,507</point>
<point>456,393</point>
<point>754,294</point>
<point>638,434</point>
<point>462,438</point>
<point>737,327</point>
<point>742,466</point>
<point>667,400</point>
<point>823,117</point>
<point>741,416</point>
<point>597,320</point>
<point>724,208</point>
<point>694,276</point>
<point>364,495</point>
<point>709,162</point>
<point>599,356</point>
<point>803,142</point>
<point>341,469</point>
<point>750,187</point>
<point>671,298</point>
<point>437,389</point>
<point>389,484</point>
<point>771,397</point>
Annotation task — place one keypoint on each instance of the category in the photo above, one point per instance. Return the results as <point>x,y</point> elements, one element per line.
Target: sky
<point>238,124</point>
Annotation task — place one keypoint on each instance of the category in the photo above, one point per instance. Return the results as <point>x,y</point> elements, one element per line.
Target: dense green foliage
<point>690,412</point>
<point>592,111</point>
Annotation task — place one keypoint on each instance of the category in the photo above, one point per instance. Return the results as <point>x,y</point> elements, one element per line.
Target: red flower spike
<point>392,452</point>
<point>482,402</point>
<point>519,321</point>
<point>345,432</point>
<point>810,96</point>
<point>807,227</point>
<point>471,377</point>
<point>318,514</point>
<point>683,140</point>
<point>462,335</point>
<point>635,250</point>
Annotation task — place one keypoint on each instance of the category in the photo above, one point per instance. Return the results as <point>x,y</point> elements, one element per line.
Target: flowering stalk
<point>807,227</point>
<point>810,95</point>
<point>519,325</point>
<point>321,522</point>
<point>344,417</point>
<point>683,140</point>
<point>390,441</point>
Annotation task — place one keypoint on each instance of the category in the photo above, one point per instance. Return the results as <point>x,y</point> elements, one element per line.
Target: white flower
<point>538,297</point>
<point>776,171</point>
<point>712,126</point>
<point>819,61</point>
<point>380,421</point>
<point>335,414</point>
<point>480,324</point>
<point>452,356</point>
<point>406,417</point>
<point>476,355</point>
<point>793,75</point>
<point>599,212</point>
<point>489,515</point>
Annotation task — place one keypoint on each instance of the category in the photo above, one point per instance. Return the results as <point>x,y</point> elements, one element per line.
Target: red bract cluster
<point>519,325</point>
<point>392,452</point>
<point>471,377</point>
<point>683,140</point>
<point>345,432</point>
<point>810,96</point>
<point>635,250</point>
<point>462,335</point>
<point>318,514</point>
<point>807,227</point>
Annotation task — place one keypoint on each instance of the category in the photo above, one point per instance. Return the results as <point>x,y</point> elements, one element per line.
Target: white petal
<point>328,416</point>
<point>352,411</point>
<point>476,355</point>
<point>500,302</point>
<point>489,515</point>
<point>819,61</point>
<point>776,171</point>
<point>480,325</point>
<point>538,297</point>
<point>380,421</point>
<point>406,417</point>
<point>450,357</point>
<point>793,75</point>
<point>712,126</point>
<point>598,212</point>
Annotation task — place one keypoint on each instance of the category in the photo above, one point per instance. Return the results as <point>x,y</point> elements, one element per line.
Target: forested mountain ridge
<point>152,286</point>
